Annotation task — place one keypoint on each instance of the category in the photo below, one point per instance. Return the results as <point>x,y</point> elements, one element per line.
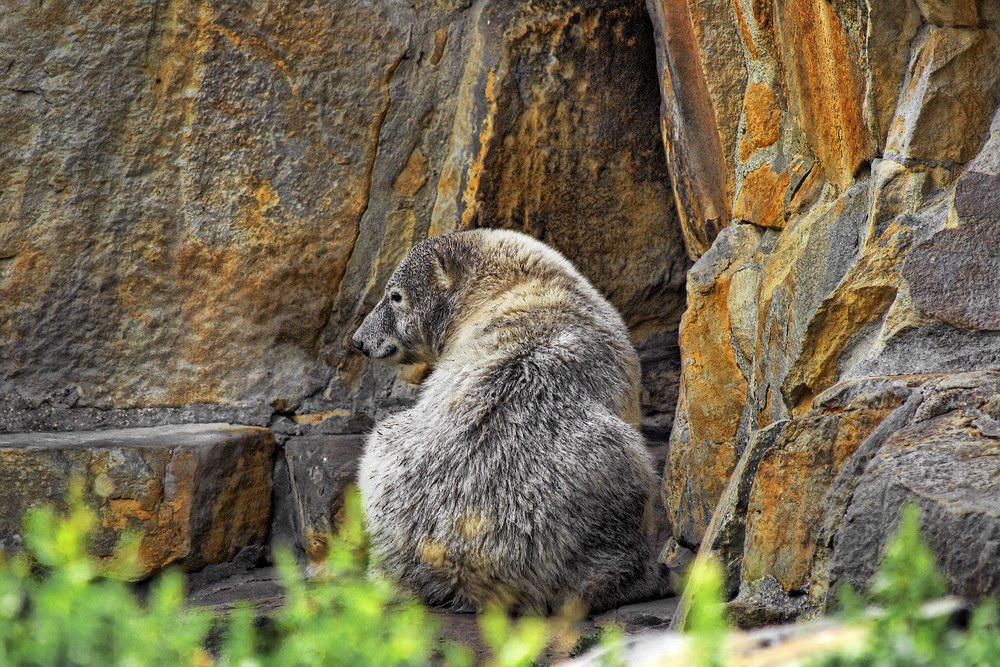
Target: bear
<point>519,477</point>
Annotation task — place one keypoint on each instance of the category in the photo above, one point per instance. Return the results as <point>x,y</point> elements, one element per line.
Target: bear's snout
<point>379,351</point>
<point>371,338</point>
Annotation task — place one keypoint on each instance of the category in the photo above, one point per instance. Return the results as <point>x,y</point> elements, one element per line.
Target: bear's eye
<point>395,296</point>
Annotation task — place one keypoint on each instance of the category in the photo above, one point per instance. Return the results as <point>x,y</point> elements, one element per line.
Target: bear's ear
<point>445,267</point>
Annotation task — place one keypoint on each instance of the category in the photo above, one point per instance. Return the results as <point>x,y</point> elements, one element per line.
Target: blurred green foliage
<point>61,608</point>
<point>706,622</point>
<point>901,628</point>
<point>904,631</point>
<point>56,609</point>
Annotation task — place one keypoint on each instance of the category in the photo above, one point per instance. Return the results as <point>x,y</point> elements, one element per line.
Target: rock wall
<point>199,201</point>
<point>837,170</point>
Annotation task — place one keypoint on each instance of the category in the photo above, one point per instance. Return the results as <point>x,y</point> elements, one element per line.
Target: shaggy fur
<point>519,477</point>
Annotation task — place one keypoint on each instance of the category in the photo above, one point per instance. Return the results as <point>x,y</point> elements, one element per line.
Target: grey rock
<point>764,602</point>
<point>955,276</point>
<point>677,559</point>
<point>284,529</point>
<point>634,618</point>
<point>321,469</point>
<point>20,415</point>
<point>933,348</point>
<point>952,473</point>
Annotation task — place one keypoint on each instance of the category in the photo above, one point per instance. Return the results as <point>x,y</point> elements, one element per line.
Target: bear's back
<point>531,310</point>
<point>513,490</point>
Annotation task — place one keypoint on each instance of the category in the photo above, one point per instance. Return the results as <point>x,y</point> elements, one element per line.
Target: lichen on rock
<point>871,280</point>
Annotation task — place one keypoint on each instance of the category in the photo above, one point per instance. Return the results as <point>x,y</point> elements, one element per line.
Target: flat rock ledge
<point>195,495</point>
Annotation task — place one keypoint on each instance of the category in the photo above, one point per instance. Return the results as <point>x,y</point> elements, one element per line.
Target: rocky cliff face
<point>837,170</point>
<point>200,201</point>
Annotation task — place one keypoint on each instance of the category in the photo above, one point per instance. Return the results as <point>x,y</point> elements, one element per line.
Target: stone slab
<point>195,494</point>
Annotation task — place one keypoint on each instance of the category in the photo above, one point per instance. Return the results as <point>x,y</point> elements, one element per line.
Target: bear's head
<point>408,325</point>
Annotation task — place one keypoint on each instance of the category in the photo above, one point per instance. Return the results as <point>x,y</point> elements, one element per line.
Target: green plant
<point>706,622</point>
<point>899,628</point>
<point>60,608</point>
<point>343,618</point>
<point>57,609</point>
<point>612,641</point>
<point>513,643</point>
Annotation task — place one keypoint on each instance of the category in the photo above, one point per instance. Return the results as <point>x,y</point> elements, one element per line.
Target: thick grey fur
<point>519,477</point>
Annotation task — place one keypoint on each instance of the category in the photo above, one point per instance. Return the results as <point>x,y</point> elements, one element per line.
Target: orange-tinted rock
<point>767,529</point>
<point>881,263</point>
<point>945,110</point>
<point>785,509</point>
<point>899,190</point>
<point>808,192</point>
<point>709,371</point>
<point>862,297</point>
<point>413,176</point>
<point>702,75</point>
<point>724,537</point>
<point>571,163</point>
<point>950,13</point>
<point>190,190</point>
<point>807,262</point>
<point>825,84</point>
<point>943,319</point>
<point>826,488</point>
<point>195,495</point>
<point>703,445</point>
<point>761,199</point>
<point>761,117</point>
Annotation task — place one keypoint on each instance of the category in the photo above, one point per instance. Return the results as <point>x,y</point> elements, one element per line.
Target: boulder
<point>814,499</point>
<point>753,300</point>
<point>946,461</point>
<point>194,495</point>
<point>702,73</point>
<point>949,12</point>
<point>948,102</point>
<point>703,445</point>
<point>858,248</point>
<point>321,469</point>
<point>835,330</point>
<point>182,192</point>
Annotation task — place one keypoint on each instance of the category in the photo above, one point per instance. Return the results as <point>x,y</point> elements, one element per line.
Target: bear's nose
<point>359,344</point>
